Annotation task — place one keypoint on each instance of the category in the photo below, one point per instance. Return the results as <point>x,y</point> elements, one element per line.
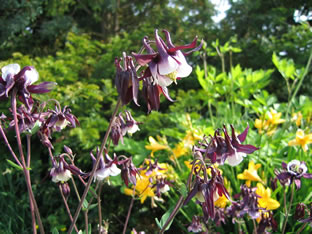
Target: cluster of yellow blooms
<point>268,123</point>
<point>144,184</point>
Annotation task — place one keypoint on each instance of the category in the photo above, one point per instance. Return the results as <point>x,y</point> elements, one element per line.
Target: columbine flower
<point>62,171</point>
<point>301,139</point>
<point>106,168</point>
<point>265,201</point>
<point>292,172</point>
<point>121,127</point>
<point>126,80</point>
<point>248,204</point>
<point>207,191</point>
<point>267,221</point>
<point>128,171</point>
<point>196,225</point>
<point>228,148</point>
<point>59,119</point>
<point>22,80</point>
<point>300,211</point>
<point>168,63</point>
<point>250,174</point>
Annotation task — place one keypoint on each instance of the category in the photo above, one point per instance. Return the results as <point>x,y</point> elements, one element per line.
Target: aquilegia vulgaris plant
<point>207,185</point>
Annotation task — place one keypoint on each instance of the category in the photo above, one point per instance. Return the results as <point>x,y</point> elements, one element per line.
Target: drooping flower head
<point>126,80</point>
<point>107,167</point>
<point>22,80</point>
<point>219,149</point>
<point>122,125</point>
<point>62,171</point>
<point>293,172</point>
<point>207,190</point>
<point>166,64</point>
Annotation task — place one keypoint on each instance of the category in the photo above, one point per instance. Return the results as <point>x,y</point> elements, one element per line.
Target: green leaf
<point>55,231</point>
<point>164,219</point>
<point>13,164</point>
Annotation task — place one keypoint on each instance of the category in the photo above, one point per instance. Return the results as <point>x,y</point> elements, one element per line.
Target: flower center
<point>173,76</point>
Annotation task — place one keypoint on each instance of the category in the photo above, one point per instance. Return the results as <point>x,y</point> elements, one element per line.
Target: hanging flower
<point>22,80</point>
<point>106,168</point>
<point>167,64</point>
<point>301,139</point>
<point>220,149</point>
<point>250,174</point>
<point>126,80</point>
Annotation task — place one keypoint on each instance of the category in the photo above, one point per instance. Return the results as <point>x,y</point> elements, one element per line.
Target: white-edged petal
<point>235,159</point>
<point>114,170</point>
<point>31,76</point>
<point>11,69</point>
<point>133,129</point>
<point>164,81</point>
<point>183,69</point>
<point>61,177</point>
<point>167,65</point>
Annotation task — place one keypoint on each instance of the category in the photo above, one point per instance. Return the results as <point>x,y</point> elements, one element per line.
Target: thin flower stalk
<point>67,207</point>
<point>95,166</point>
<point>26,172</point>
<point>287,210</point>
<point>129,212</point>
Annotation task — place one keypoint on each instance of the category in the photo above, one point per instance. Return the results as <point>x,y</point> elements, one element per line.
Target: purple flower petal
<point>44,87</point>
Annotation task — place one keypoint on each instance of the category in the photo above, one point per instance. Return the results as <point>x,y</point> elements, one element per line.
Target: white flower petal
<point>183,69</point>
<point>133,129</point>
<point>114,170</point>
<point>167,65</point>
<point>11,69</point>
<point>235,159</point>
<point>164,81</point>
<point>31,76</point>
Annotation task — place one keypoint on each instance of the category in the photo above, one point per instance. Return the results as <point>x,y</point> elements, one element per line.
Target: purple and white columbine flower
<point>220,149</point>
<point>293,172</point>
<point>106,168</point>
<point>22,80</point>
<point>62,171</point>
<point>167,64</point>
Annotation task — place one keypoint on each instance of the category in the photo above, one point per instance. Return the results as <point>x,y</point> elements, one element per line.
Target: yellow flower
<point>155,146</point>
<point>144,187</point>
<point>221,202</point>
<point>178,151</point>
<point>251,173</point>
<point>274,118</point>
<point>301,139</point>
<point>297,117</point>
<point>265,201</point>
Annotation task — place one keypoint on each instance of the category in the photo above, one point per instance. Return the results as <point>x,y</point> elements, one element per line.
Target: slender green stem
<point>289,207</point>
<point>95,166</point>
<point>306,70</point>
